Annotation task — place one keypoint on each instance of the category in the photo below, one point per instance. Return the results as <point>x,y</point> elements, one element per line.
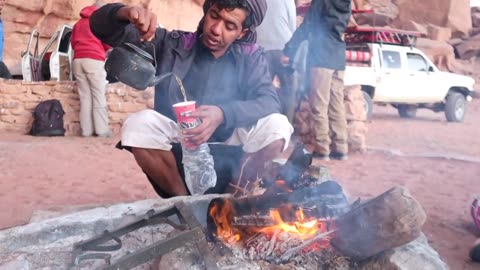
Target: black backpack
<point>48,119</point>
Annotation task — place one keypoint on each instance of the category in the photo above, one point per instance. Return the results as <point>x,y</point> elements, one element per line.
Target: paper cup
<point>182,109</point>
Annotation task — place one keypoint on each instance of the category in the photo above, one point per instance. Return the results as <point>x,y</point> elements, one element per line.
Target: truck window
<point>391,59</point>
<point>416,62</point>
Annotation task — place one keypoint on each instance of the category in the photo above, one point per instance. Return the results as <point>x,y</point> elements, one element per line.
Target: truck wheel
<point>407,111</point>
<point>368,104</point>
<point>455,107</point>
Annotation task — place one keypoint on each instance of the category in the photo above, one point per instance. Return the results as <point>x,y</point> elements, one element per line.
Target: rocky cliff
<point>447,22</point>
<point>21,16</point>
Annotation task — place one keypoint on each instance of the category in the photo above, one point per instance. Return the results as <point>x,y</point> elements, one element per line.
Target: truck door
<point>422,82</point>
<point>390,85</point>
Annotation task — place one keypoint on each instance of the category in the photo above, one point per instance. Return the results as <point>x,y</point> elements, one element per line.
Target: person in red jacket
<point>88,68</point>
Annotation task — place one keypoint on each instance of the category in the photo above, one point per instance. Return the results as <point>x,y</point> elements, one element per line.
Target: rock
<point>377,18</point>
<point>21,16</point>
<point>476,19</point>
<point>459,17</point>
<point>48,243</point>
<point>469,48</point>
<point>357,133</point>
<point>475,31</point>
<point>384,12</point>
<point>455,41</point>
<point>414,255</point>
<point>387,221</point>
<point>454,14</point>
<point>440,52</point>
<point>412,26</point>
<point>354,103</point>
<point>439,33</point>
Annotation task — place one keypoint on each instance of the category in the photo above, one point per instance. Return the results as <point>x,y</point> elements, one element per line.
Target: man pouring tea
<point>224,72</point>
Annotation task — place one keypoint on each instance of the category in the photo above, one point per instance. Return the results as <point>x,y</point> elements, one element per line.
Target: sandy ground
<point>438,161</point>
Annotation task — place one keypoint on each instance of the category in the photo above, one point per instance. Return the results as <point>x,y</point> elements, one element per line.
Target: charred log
<point>390,220</point>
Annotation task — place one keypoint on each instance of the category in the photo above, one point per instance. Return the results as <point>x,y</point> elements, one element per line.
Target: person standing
<point>275,31</point>
<point>324,27</point>
<point>88,68</point>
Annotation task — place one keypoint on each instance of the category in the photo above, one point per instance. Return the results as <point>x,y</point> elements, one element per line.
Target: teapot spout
<point>156,80</point>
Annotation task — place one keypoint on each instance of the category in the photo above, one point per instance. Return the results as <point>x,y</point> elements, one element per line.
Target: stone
<point>439,33</point>
<point>417,254</point>
<point>470,48</point>
<point>33,5</point>
<point>12,89</point>
<point>412,26</point>
<point>381,16</point>
<point>21,16</point>
<point>50,24</point>
<point>387,221</point>
<point>25,96</point>
<point>48,243</point>
<point>10,104</point>
<point>475,31</point>
<point>476,19</point>
<point>440,52</point>
<point>357,133</point>
<point>42,91</point>
<point>354,104</point>
<point>459,18</point>
<point>66,9</point>
<point>454,14</point>
<point>19,119</point>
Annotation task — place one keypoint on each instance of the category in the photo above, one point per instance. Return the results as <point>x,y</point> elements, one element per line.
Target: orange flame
<point>302,227</point>
<point>222,214</point>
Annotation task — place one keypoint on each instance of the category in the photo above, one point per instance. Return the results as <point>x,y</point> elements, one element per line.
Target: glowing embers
<point>274,235</point>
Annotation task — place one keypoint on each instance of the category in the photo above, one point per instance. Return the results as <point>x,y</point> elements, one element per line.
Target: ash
<point>267,252</point>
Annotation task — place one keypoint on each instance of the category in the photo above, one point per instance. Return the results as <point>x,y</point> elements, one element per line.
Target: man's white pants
<point>151,130</point>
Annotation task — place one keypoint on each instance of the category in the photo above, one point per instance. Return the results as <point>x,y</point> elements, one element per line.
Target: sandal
<point>475,211</point>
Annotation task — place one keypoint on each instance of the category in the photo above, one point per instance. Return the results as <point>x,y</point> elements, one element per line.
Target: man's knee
<point>139,119</point>
<point>272,128</point>
<point>149,129</point>
<point>276,123</point>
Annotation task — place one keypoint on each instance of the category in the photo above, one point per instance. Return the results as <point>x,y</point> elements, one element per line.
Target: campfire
<point>270,237</point>
<point>295,216</point>
<point>300,215</point>
<point>301,221</point>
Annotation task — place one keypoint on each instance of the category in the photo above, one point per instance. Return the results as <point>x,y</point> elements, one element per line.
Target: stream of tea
<point>181,88</point>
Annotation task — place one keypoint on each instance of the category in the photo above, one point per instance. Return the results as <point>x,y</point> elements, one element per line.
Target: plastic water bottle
<point>200,174</point>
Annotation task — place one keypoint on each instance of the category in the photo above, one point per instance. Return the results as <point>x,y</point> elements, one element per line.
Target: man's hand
<point>211,116</point>
<point>143,19</point>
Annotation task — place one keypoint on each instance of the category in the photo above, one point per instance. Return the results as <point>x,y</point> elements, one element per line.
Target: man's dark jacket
<point>323,27</point>
<point>175,53</point>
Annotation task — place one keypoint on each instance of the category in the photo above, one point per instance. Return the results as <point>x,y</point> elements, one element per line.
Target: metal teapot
<point>133,66</point>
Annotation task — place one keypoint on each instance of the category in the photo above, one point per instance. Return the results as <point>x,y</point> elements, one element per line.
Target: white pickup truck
<point>392,71</point>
